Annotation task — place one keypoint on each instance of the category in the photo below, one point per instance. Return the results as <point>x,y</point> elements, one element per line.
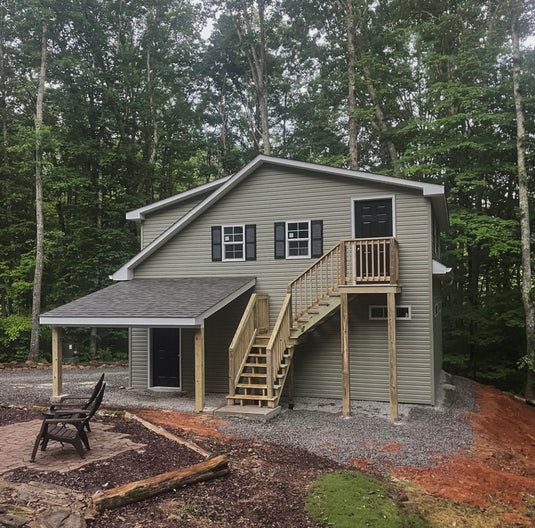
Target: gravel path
<point>420,436</point>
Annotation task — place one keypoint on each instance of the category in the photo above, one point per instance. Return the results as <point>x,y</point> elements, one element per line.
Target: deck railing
<point>354,261</point>
<point>255,320</point>
<point>278,343</point>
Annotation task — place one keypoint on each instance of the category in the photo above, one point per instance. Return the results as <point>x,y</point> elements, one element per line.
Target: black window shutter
<point>280,240</point>
<point>216,244</point>
<point>316,228</point>
<point>250,242</point>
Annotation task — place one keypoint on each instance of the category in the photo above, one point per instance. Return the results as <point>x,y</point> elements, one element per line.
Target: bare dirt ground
<point>490,485</point>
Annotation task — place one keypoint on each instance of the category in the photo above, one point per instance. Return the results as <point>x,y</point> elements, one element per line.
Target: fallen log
<point>143,489</point>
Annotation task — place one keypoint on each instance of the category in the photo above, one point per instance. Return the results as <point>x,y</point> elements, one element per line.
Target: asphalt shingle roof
<point>152,299</point>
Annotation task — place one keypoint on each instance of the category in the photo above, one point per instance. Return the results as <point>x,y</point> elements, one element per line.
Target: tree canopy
<point>141,103</point>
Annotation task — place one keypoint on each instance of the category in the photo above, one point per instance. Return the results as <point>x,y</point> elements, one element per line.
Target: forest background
<point>146,98</point>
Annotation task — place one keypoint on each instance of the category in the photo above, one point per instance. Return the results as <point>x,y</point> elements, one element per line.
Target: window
<point>299,239</point>
<point>231,243</point>
<point>380,313</point>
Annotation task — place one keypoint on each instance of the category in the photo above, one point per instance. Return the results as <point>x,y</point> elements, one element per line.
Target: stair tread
<point>253,374</point>
<point>264,365</point>
<point>251,397</point>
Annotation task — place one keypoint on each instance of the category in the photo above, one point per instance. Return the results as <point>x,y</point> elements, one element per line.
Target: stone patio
<point>17,442</point>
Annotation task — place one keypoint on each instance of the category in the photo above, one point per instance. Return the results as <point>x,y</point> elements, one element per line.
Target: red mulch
<point>500,467</point>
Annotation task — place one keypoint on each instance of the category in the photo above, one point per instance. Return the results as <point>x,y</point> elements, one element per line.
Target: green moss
<point>347,499</point>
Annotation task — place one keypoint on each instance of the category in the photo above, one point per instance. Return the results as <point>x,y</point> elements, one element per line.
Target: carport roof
<point>151,302</point>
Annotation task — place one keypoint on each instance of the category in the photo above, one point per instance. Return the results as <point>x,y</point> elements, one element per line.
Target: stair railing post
<point>343,264</point>
<point>269,372</point>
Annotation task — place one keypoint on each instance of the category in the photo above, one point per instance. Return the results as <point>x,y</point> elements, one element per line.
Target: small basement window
<point>380,313</point>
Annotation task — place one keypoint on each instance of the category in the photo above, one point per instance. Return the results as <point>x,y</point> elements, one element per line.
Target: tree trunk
<point>3,95</point>
<point>525,236</point>
<point>351,27</point>
<point>39,251</point>
<point>263,91</point>
<point>257,62</point>
<point>380,119</point>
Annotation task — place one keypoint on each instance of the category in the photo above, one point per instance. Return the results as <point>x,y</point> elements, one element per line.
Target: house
<point>286,276</point>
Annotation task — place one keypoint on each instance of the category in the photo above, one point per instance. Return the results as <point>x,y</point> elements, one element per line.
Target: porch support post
<point>392,359</point>
<point>291,381</point>
<point>199,369</point>
<point>57,361</point>
<point>344,327</point>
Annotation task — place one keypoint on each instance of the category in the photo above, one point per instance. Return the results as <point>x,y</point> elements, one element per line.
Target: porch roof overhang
<point>180,302</point>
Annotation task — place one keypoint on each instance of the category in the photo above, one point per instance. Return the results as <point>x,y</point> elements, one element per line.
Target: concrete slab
<point>248,411</point>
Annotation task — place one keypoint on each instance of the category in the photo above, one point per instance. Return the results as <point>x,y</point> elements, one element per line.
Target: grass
<point>347,499</point>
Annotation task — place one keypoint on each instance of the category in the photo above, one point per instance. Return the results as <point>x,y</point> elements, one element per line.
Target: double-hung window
<point>298,239</point>
<point>233,242</point>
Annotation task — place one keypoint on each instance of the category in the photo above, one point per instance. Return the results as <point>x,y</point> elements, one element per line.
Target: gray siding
<point>188,359</point>
<point>156,223</point>
<point>138,357</point>
<point>437,329</point>
<point>271,195</point>
<point>219,331</point>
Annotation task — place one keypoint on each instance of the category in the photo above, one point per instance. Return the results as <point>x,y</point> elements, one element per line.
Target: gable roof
<point>139,214</point>
<point>432,191</point>
<point>151,302</point>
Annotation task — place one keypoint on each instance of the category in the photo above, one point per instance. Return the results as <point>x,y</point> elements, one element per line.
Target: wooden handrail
<point>255,319</point>
<point>351,261</point>
<point>278,343</point>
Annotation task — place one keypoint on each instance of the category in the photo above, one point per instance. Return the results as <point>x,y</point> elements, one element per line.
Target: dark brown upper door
<point>373,218</point>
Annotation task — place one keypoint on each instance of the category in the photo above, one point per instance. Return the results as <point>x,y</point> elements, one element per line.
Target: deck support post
<point>199,369</point>
<point>57,361</point>
<point>291,383</point>
<point>346,378</point>
<point>392,360</point>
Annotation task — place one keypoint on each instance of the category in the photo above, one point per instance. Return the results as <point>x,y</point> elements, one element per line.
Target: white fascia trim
<point>139,214</point>
<point>119,322</point>
<point>440,269</point>
<point>216,307</point>
<point>428,189</point>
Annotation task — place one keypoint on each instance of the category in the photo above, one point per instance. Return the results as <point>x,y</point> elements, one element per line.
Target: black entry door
<point>165,357</point>
<point>373,218</point>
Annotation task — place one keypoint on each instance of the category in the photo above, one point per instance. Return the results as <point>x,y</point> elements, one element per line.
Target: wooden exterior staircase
<point>259,360</point>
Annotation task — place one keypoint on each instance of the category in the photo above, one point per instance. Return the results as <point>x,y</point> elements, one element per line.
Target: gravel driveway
<point>420,436</point>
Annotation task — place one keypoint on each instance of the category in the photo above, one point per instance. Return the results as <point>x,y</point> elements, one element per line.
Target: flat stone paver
<point>17,440</point>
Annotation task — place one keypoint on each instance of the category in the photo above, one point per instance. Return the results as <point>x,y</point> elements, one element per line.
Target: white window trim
<point>371,306</point>
<point>223,244</point>
<point>309,239</point>
<point>374,197</point>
